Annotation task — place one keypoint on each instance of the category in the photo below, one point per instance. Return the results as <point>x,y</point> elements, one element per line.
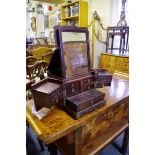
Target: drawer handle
<point>73,90</point>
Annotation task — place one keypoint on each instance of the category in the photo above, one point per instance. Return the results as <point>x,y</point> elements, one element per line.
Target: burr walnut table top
<point>58,123</point>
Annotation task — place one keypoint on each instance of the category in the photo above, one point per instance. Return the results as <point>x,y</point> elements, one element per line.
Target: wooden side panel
<point>99,130</point>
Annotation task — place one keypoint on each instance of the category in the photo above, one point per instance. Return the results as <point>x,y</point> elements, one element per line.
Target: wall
<point>39,20</point>
<point>103,9</point>
<point>109,11</point>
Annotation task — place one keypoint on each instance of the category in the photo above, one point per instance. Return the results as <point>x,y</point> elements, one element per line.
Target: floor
<point>33,147</point>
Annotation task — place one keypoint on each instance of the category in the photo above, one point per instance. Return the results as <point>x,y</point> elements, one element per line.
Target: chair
<point>39,52</point>
<point>41,68</point>
<point>123,33</point>
<point>30,66</point>
<point>47,57</point>
<point>30,60</point>
<point>28,88</point>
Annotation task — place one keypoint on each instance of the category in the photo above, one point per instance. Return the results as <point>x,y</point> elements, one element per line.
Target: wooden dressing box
<point>70,74</point>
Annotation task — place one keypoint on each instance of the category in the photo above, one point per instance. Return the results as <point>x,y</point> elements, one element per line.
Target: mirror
<point>75,53</point>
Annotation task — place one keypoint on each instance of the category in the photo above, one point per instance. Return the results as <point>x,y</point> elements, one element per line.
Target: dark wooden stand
<point>123,32</point>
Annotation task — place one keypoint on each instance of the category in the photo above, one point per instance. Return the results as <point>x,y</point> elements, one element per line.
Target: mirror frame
<point>59,44</point>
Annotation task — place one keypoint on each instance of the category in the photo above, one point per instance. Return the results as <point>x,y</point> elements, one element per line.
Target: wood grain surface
<point>97,128</point>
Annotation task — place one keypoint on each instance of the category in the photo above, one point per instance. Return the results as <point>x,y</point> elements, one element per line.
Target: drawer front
<point>56,94</point>
<point>72,89</point>
<point>88,80</point>
<point>88,86</point>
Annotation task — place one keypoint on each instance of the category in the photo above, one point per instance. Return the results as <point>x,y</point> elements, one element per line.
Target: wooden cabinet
<point>114,63</point>
<point>79,18</point>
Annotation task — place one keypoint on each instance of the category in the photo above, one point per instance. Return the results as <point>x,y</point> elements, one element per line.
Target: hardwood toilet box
<point>84,100</point>
<point>84,103</point>
<point>47,92</point>
<point>70,75</point>
<point>103,77</point>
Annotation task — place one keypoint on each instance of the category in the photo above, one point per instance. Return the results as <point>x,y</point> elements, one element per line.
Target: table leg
<point>41,145</point>
<point>120,46</point>
<point>123,148</point>
<point>127,41</point>
<point>78,141</point>
<point>52,149</point>
<point>97,153</point>
<point>112,44</point>
<point>125,142</point>
<point>123,44</point>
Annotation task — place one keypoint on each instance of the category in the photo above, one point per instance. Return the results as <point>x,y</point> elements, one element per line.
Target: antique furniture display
<point>70,67</point>
<point>30,62</point>
<point>35,68</point>
<point>92,132</point>
<point>47,91</point>
<point>103,77</point>
<point>75,14</point>
<point>123,33</point>
<point>73,53</point>
<point>114,63</point>
<point>121,30</point>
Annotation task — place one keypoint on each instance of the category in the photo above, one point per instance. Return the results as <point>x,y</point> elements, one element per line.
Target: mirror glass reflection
<point>75,53</point>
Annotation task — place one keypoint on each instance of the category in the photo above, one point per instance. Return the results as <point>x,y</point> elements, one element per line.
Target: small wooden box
<point>46,93</point>
<point>84,103</point>
<point>103,77</point>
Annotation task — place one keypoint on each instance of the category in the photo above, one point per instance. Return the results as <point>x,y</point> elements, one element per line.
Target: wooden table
<point>91,133</point>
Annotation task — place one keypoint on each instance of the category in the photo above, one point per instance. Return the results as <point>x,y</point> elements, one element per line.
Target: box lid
<point>85,99</point>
